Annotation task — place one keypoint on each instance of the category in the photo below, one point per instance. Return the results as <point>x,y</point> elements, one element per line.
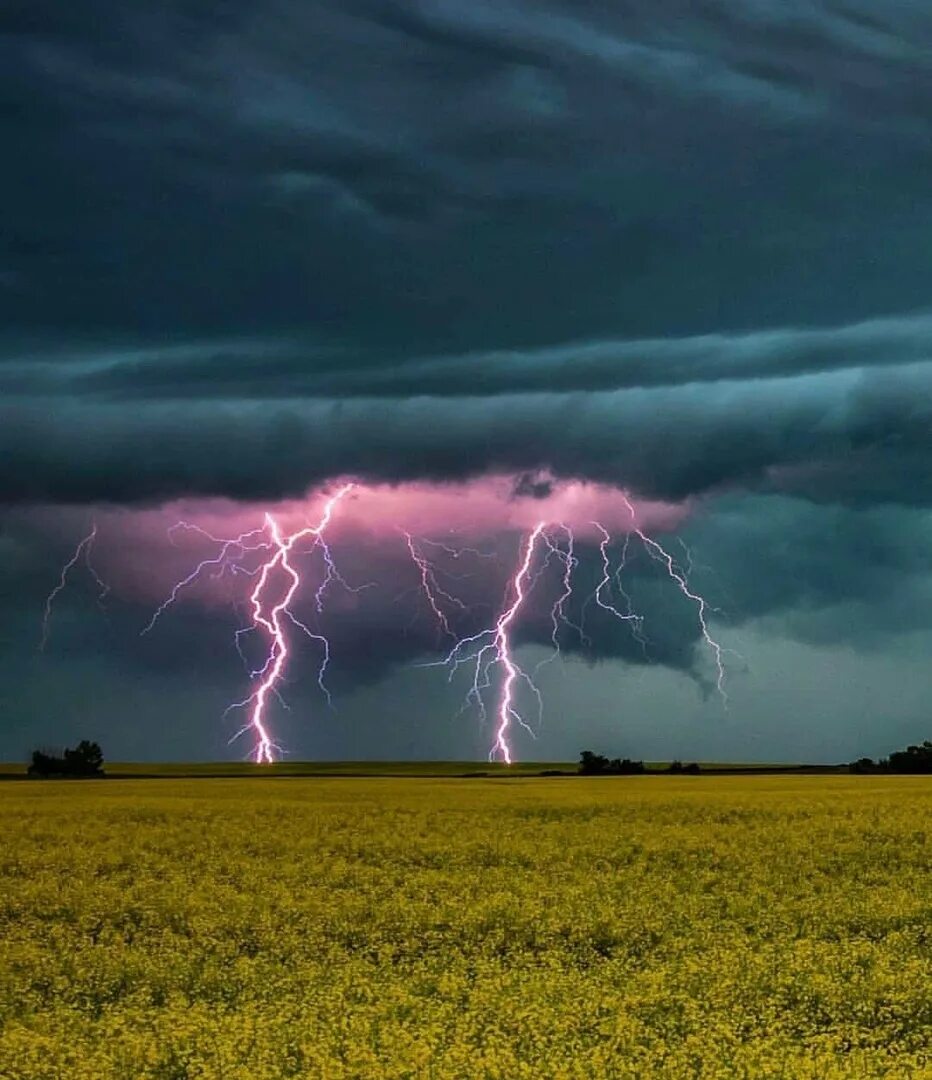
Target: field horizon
<point>428,769</point>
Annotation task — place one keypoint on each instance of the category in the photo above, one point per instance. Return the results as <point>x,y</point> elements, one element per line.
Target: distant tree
<point>591,764</point>
<point>625,767</point>
<point>44,763</point>
<point>864,765</point>
<point>86,759</point>
<point>678,767</point>
<point>914,759</point>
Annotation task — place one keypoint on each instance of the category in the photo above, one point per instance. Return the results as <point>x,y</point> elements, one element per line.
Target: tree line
<point>591,764</point>
<point>914,759</point>
<point>85,760</point>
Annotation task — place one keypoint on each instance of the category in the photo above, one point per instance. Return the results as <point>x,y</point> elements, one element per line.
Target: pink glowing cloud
<point>142,555</point>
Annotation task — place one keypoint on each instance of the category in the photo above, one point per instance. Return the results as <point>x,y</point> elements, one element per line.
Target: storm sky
<point>455,249</point>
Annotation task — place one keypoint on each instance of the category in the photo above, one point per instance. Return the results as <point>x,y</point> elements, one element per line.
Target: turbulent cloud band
<point>852,433</point>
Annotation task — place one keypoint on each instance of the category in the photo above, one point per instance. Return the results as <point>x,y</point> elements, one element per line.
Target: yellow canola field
<point>250,929</point>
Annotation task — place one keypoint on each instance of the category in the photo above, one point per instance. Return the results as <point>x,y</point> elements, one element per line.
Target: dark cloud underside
<point>221,223</point>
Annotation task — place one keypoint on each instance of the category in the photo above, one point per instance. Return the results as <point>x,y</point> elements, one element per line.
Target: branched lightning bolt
<point>459,552</point>
<point>491,648</point>
<point>266,556</point>
<point>270,619</point>
<point>266,614</point>
<point>637,623</point>
<point>558,616</point>
<point>229,551</point>
<point>680,577</point>
<point>433,591</point>
<point>605,584</point>
<point>84,549</point>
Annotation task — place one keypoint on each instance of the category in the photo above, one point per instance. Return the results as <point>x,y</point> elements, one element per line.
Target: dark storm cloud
<point>682,248</point>
<point>817,433</point>
<point>664,249</point>
<point>824,573</point>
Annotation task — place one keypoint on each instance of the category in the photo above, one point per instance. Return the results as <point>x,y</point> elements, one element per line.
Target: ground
<point>256,928</point>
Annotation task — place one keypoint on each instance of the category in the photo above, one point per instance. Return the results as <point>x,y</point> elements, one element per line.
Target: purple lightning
<point>432,591</point>
<point>268,615</point>
<point>266,555</point>
<point>223,561</point>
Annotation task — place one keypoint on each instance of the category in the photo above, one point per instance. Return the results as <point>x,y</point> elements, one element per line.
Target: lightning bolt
<point>459,552</point>
<point>558,616</point>
<point>491,648</point>
<point>431,589</point>
<point>637,623</point>
<point>270,619</point>
<point>267,557</point>
<point>606,583</point>
<point>223,560</point>
<point>503,648</point>
<point>84,549</point>
<point>268,616</point>
<point>680,577</point>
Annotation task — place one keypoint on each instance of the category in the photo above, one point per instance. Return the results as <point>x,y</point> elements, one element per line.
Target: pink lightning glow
<point>267,615</point>
<point>271,672</point>
<point>267,557</point>
<point>433,592</point>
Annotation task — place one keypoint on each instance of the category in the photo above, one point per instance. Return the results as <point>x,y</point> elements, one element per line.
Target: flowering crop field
<point>245,929</point>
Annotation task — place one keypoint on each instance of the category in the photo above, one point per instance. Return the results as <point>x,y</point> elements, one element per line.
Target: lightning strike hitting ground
<point>265,555</point>
<point>267,615</point>
<point>503,646</point>
<point>270,620</point>
<point>84,548</point>
<point>494,650</point>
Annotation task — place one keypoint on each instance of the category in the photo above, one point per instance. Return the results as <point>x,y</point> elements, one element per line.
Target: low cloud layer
<point>853,434</point>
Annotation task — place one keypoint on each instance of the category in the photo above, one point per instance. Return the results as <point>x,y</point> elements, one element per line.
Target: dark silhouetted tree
<point>866,765</point>
<point>86,759</point>
<point>591,764</point>
<point>914,759</point>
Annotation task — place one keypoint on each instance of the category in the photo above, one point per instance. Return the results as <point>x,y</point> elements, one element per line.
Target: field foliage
<point>250,929</point>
